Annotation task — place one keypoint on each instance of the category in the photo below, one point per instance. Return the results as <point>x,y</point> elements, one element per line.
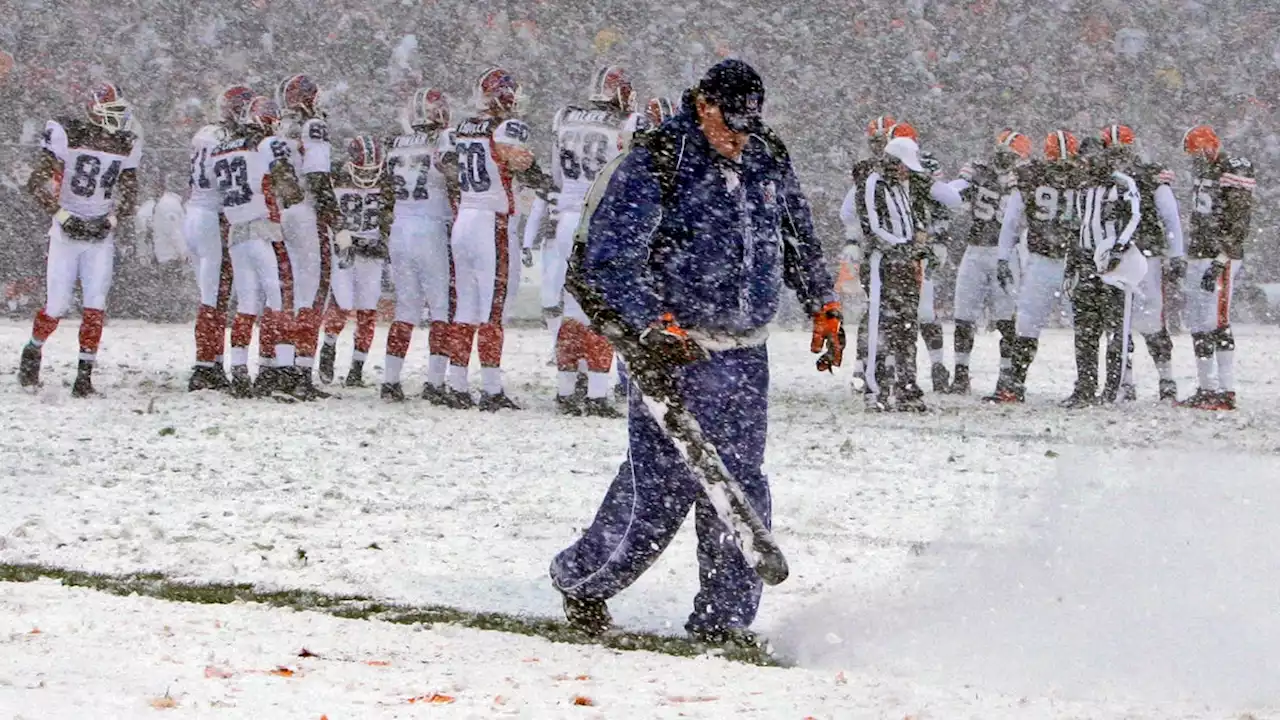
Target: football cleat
<point>569,405</point>
<point>83,386</point>
<point>241,386</point>
<point>588,616</point>
<point>910,401</point>
<point>1168,391</point>
<point>206,377</point>
<point>493,402</point>
<point>1005,396</point>
<point>29,366</point>
<point>328,354</point>
<point>458,399</point>
<point>391,392</point>
<point>600,408</point>
<point>355,376</point>
<point>960,384</point>
<point>302,387</point>
<point>1198,398</point>
<point>270,380</point>
<point>435,394</point>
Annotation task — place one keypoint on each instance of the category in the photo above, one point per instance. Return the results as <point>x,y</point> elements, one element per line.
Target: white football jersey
<point>414,164</point>
<point>204,194</point>
<point>585,141</point>
<point>361,210</point>
<point>242,174</point>
<point>92,160</point>
<point>484,182</point>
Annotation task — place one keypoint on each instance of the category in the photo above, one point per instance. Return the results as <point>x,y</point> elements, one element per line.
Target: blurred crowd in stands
<point>958,70</point>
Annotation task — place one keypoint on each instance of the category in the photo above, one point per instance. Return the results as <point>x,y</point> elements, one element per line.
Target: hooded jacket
<point>714,244</point>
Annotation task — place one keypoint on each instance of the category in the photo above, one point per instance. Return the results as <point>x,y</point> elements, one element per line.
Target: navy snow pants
<point>653,490</point>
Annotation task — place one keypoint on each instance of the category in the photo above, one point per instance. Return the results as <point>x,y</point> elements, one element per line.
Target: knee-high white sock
<point>1227,369</point>
<point>491,380</point>
<point>436,367</point>
<point>457,379</point>
<point>566,383</point>
<point>597,384</point>
<point>391,368</point>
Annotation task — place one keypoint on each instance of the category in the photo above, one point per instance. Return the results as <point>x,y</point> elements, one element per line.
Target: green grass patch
<point>355,607</point>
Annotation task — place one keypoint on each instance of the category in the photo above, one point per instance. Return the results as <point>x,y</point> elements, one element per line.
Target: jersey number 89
<point>583,155</point>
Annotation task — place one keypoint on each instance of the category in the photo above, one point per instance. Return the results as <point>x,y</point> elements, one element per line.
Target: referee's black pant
<point>1098,309</point>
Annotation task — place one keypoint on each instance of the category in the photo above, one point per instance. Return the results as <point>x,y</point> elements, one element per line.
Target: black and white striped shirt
<point>1109,214</point>
<point>887,220</point>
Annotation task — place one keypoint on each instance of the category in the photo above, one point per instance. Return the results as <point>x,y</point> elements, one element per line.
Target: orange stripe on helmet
<point>1061,145</point>
<point>1117,135</point>
<point>904,130</point>
<point>880,126</point>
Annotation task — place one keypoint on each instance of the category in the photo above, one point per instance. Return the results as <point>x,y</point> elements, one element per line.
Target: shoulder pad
<point>209,135</point>
<point>555,121</point>
<point>1239,165</point>
<point>515,130</point>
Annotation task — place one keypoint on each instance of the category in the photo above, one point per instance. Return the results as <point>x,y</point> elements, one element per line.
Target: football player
<point>493,154</point>
<point>304,224</point>
<point>1043,201</point>
<point>202,228</point>
<point>1159,237</point>
<point>85,177</point>
<point>980,280</point>
<point>366,198</point>
<point>1101,294</point>
<point>934,219</point>
<point>1221,211</point>
<point>659,109</point>
<point>253,172</point>
<point>586,139</point>
<point>857,237</point>
<point>422,166</point>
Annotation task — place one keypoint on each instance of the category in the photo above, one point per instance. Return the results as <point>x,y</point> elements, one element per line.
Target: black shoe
<point>1079,399</point>
<point>391,392</point>
<point>355,376</point>
<point>328,353</point>
<point>493,402</point>
<point>590,617</point>
<point>568,405</point>
<point>600,408</point>
<point>1168,391</point>
<point>83,386</point>
<point>458,399</point>
<point>240,385</point>
<point>941,378</point>
<point>727,638</point>
<point>220,377</point>
<point>871,402</point>
<point>29,366</point>
<point>960,384</point>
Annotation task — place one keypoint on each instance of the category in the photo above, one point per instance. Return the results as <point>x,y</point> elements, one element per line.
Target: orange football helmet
<point>1014,142</point>
<point>880,126</point>
<point>1113,135</point>
<point>1061,145</point>
<point>1203,141</point>
<point>904,130</point>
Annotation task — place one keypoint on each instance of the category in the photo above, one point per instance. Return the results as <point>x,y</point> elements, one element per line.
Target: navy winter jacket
<point>715,260</point>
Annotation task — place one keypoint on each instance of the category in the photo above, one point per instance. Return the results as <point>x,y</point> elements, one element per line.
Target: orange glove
<point>828,337</point>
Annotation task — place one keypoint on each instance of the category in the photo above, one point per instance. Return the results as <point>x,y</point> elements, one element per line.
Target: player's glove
<point>828,337</point>
<point>669,345</point>
<point>526,257</point>
<point>1110,260</point>
<point>1177,269</point>
<point>1004,275</point>
<point>1209,282</point>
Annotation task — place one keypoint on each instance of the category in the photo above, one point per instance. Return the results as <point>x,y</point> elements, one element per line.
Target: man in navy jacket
<point>691,249</point>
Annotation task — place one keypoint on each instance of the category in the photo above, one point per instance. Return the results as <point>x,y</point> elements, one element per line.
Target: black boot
<point>302,387</point>
<point>328,353</point>
<point>960,384</point>
<point>29,366</point>
<point>590,617</point>
<point>203,377</point>
<point>83,386</point>
<point>493,402</point>
<point>569,405</point>
<point>1168,391</point>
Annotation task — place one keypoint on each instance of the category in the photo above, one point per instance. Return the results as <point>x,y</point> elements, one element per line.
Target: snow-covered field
<point>1115,562</point>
